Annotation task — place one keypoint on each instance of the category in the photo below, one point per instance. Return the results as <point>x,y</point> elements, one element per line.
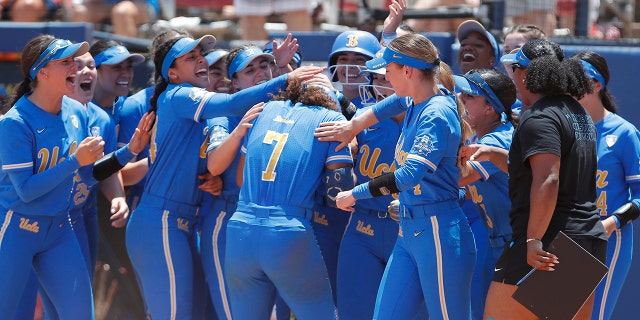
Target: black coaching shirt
<point>561,126</point>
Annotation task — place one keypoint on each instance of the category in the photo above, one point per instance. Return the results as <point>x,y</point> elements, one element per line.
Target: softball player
<point>371,232</point>
<point>270,244</point>
<point>351,49</point>
<point>617,180</point>
<point>160,232</point>
<point>433,259</point>
<point>49,144</point>
<point>488,95</point>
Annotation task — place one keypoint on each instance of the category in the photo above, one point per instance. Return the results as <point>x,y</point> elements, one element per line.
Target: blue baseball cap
<point>242,59</point>
<point>215,56</point>
<point>115,55</point>
<point>469,26</point>
<point>472,83</point>
<point>184,46</point>
<point>389,56</point>
<point>58,49</point>
<point>518,57</point>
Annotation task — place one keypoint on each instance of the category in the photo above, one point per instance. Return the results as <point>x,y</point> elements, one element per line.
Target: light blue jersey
<point>270,242</point>
<point>36,182</point>
<point>617,182</point>
<point>160,234</point>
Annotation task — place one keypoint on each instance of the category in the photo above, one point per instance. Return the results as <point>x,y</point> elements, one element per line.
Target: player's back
<point>284,161</point>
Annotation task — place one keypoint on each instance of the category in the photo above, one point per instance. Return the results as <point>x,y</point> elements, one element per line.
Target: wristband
<point>387,37</point>
<point>533,239</point>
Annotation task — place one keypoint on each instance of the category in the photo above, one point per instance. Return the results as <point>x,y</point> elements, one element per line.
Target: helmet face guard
<point>372,93</point>
<point>352,74</point>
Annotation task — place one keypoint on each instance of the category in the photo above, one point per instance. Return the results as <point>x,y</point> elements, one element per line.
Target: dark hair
<point>550,74</point>
<point>503,88</point>
<point>600,63</point>
<point>30,54</point>
<point>158,58</point>
<point>309,95</point>
<point>159,39</point>
<point>102,45</point>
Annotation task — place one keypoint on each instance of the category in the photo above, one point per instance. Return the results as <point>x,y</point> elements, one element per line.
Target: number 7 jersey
<point>284,161</point>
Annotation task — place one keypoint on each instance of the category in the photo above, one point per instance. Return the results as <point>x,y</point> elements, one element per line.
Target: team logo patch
<point>197,94</point>
<point>422,145</point>
<point>611,140</point>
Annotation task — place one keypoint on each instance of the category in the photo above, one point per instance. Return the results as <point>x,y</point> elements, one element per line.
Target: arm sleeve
<point>199,104</point>
<point>631,165</point>
<point>390,106</point>
<point>30,187</point>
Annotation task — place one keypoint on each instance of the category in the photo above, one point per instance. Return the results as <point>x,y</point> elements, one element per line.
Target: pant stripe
<point>167,256</point>
<point>216,260</point>
<point>436,242</point>
<point>5,225</point>
<point>614,259</point>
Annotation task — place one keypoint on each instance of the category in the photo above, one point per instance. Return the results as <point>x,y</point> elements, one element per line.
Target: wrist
<point>532,239</point>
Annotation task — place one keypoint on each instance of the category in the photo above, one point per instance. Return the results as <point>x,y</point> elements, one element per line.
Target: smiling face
<point>256,72</point>
<point>218,81</point>
<point>86,78</point>
<point>348,66</point>
<point>475,53</point>
<point>60,71</point>
<point>115,79</point>
<point>190,68</point>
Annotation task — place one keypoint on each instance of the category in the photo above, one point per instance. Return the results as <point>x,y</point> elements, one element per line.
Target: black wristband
<point>383,185</point>
<point>626,213</point>
<point>106,166</point>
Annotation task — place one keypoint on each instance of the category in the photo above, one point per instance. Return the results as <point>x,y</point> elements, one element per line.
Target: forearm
<point>112,187</point>
<point>30,186</point>
<point>543,198</point>
<point>133,172</point>
<point>220,158</point>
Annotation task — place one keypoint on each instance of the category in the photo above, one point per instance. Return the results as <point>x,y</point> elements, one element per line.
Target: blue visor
<point>592,72</point>
<point>473,84</point>
<point>389,56</point>
<point>215,56</point>
<point>182,47</point>
<point>58,49</point>
<point>242,59</point>
<point>517,57</point>
<point>115,55</point>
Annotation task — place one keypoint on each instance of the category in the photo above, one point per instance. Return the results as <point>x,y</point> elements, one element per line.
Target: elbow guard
<point>106,166</point>
<point>336,181</point>
<point>383,185</point>
<point>626,213</point>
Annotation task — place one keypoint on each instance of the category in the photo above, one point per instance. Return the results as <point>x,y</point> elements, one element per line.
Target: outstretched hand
<point>305,73</point>
<point>340,131</point>
<point>393,20</point>
<point>285,51</point>
<point>142,135</point>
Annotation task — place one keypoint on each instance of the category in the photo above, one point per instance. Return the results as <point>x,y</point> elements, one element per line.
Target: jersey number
<point>280,139</point>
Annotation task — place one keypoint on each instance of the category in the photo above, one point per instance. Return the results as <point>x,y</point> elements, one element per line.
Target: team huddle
<point>381,187</point>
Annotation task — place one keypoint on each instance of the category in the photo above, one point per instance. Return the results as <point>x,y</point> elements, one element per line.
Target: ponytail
<point>446,79</point>
<point>19,91</point>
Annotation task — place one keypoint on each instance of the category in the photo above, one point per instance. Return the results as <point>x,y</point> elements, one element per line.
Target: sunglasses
<point>516,66</point>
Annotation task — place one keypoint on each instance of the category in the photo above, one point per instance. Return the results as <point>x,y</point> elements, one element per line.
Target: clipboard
<point>560,294</point>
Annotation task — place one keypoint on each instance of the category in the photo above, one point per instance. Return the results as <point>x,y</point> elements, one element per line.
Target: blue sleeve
<point>390,106</point>
<point>210,105</point>
<point>30,187</point>
<point>132,112</point>
<point>218,131</point>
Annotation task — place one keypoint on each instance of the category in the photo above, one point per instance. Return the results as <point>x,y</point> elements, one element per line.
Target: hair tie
<point>27,79</point>
<point>436,62</point>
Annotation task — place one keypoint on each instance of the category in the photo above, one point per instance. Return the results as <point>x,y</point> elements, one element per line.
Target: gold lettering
<point>364,229</point>
<point>32,227</point>
<point>183,224</point>
<point>320,219</point>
